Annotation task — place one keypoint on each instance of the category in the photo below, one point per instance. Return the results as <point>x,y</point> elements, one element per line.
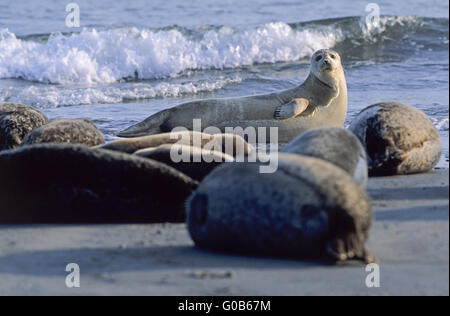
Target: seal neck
<point>313,82</point>
<point>331,84</point>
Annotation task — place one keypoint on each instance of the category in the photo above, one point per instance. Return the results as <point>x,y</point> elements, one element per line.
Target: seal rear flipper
<point>349,247</point>
<point>291,109</point>
<point>348,234</point>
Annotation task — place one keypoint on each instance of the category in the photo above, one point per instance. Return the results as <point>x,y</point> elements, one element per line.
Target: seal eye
<point>333,56</point>
<point>318,58</point>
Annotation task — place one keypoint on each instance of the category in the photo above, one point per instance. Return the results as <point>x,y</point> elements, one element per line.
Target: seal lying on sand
<point>70,131</point>
<point>399,139</point>
<point>227,143</point>
<point>16,122</point>
<point>335,145</point>
<point>320,100</point>
<point>199,162</point>
<point>61,183</point>
<point>308,208</point>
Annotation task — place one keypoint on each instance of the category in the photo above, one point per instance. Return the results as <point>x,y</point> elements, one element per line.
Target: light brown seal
<point>229,144</point>
<point>197,164</point>
<point>319,101</point>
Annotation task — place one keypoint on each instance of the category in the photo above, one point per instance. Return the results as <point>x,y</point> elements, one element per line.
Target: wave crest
<point>93,56</point>
<point>106,56</point>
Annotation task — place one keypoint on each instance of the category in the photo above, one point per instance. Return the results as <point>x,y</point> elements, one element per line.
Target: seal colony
<point>313,205</point>
<point>320,100</point>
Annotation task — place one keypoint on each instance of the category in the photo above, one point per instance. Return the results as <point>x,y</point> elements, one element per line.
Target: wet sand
<point>410,237</point>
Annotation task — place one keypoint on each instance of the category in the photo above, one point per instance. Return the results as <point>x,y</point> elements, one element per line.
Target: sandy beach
<point>409,236</point>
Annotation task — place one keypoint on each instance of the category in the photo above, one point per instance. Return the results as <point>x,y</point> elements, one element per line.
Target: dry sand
<point>410,236</point>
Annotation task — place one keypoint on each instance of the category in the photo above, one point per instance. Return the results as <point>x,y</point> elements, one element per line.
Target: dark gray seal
<point>17,121</point>
<point>335,145</point>
<point>399,139</point>
<point>61,183</point>
<point>70,131</point>
<point>307,209</point>
<point>200,161</point>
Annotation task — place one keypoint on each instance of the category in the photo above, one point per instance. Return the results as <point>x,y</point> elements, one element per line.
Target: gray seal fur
<point>319,101</point>
<point>16,122</point>
<point>307,209</point>
<point>69,131</point>
<point>335,145</point>
<point>399,139</point>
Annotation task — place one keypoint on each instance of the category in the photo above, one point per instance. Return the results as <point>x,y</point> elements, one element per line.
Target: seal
<point>399,139</point>
<point>335,145</point>
<point>230,144</point>
<point>321,100</point>
<point>308,209</point>
<point>70,131</point>
<point>17,121</point>
<point>199,161</point>
<point>64,183</point>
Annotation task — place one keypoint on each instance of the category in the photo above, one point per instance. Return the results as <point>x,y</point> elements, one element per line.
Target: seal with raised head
<point>399,139</point>
<point>69,131</point>
<point>307,209</point>
<point>320,100</point>
<point>63,183</point>
<point>335,145</point>
<point>16,122</point>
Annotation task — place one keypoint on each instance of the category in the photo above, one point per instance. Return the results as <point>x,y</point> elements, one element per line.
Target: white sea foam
<point>441,124</point>
<point>50,96</point>
<point>369,31</point>
<point>106,56</point>
<point>92,56</point>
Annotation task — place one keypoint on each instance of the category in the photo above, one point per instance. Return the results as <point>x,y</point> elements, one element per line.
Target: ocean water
<point>128,60</point>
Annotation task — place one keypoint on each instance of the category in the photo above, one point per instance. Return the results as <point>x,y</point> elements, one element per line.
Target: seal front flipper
<point>291,109</point>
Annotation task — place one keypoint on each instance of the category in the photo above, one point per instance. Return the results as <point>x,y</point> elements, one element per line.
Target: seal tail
<point>151,125</point>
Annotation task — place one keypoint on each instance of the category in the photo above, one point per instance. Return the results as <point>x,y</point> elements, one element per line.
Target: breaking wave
<point>120,54</point>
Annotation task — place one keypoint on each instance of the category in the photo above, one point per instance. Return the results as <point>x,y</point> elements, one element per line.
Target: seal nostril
<point>199,209</point>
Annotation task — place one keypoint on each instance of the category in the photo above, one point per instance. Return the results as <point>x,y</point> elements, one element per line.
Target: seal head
<point>326,66</point>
